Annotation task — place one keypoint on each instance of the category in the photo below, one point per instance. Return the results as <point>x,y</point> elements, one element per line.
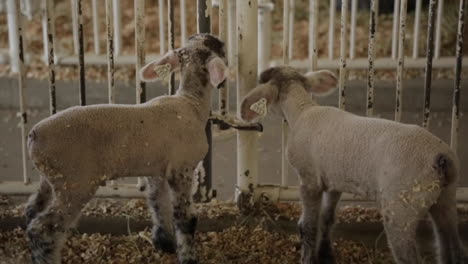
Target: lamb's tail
<point>446,166</point>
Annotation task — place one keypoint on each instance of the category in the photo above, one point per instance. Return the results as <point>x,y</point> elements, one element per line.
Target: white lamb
<point>406,169</point>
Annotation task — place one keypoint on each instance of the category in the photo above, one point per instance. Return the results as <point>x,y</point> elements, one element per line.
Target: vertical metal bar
<point>352,39</point>
<point>401,61</point>
<point>110,59</point>
<point>44,30</point>
<point>162,31</point>
<point>183,22</point>
<point>370,77</point>
<point>343,70</point>
<point>286,59</point>
<point>170,40</point>
<point>331,30</point>
<point>247,165</point>
<point>117,27</point>
<point>417,24</point>
<point>440,14</point>
<point>13,34</point>
<point>74,5</point>
<point>292,7</point>
<point>97,48</point>
<point>429,58</point>
<point>264,33</point>
<point>204,185</point>
<point>458,70</point>
<point>12,6</point>
<point>81,63</point>
<point>396,18</point>
<point>140,60</point>
<point>232,24</point>
<point>50,20</point>
<point>313,24</point>
<point>223,36</point>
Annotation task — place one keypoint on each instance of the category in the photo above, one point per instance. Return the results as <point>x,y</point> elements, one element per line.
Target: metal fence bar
<point>110,61</point>
<point>183,22</point>
<point>396,18</point>
<point>247,158</point>
<point>371,55</point>
<point>49,16</point>
<point>429,57</point>
<point>417,25</point>
<point>12,6</point>
<point>313,25</point>
<point>170,41</point>
<point>140,59</point>
<point>264,32</point>
<point>232,25</point>
<point>117,27</point>
<point>331,30</point>
<point>162,31</point>
<point>223,36</point>
<point>97,48</point>
<point>352,38</point>
<point>401,60</point>
<point>292,7</point>
<point>458,71</point>
<point>343,69</point>
<point>13,34</point>
<point>203,194</point>
<point>81,63</point>
<point>74,5</point>
<point>440,14</point>
<point>286,59</point>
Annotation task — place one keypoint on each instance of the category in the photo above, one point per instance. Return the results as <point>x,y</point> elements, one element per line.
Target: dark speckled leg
<point>38,201</point>
<point>327,220</point>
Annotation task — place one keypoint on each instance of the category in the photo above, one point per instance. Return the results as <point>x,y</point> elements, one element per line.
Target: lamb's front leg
<point>185,218</point>
<point>308,223</point>
<point>160,204</point>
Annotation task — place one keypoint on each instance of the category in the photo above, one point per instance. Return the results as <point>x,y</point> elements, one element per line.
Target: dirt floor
<point>264,240</point>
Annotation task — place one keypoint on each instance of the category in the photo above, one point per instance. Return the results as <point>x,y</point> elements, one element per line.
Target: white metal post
<point>13,34</point>
<point>247,161</point>
<point>117,27</point>
<point>343,44</point>
<point>264,33</point>
<point>162,28</point>
<point>313,22</point>
<point>396,19</point>
<point>401,61</point>
<point>352,39</point>
<point>286,59</point>
<point>97,48</point>
<point>232,25</point>
<point>183,22</point>
<point>440,14</point>
<point>292,7</point>
<point>331,30</point>
<point>223,36</point>
<point>417,24</point>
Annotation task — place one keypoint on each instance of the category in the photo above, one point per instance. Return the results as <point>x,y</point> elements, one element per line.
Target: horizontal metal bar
<point>273,192</point>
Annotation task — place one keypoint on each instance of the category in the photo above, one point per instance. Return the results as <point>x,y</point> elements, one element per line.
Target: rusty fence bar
<point>117,27</point>
<point>81,63</point>
<point>458,71</point>
<point>371,55</point>
<point>313,26</point>
<point>223,98</point>
<point>49,20</point>
<point>401,61</point>
<point>170,41</point>
<point>286,59</point>
<point>417,25</point>
<point>162,31</point>
<point>343,69</point>
<point>429,57</point>
<point>97,48</point>
<point>140,59</point>
<point>352,35</point>
<point>331,29</point>
<point>204,191</point>
<point>396,19</point>
<point>440,14</point>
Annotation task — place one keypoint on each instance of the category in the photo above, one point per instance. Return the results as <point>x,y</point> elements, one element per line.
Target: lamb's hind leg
<point>160,204</point>
<point>38,201</point>
<point>327,220</point>
<point>308,223</point>
<point>444,218</point>
<point>48,231</point>
<point>184,215</point>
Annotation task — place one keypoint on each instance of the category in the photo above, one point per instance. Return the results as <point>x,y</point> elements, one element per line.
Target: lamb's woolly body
<point>79,149</point>
<point>409,171</point>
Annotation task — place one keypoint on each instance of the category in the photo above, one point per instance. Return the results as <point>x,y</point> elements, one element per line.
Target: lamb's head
<point>202,61</point>
<point>276,83</point>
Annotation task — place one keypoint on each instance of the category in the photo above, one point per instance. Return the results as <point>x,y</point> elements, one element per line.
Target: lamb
<point>164,139</point>
<point>406,169</point>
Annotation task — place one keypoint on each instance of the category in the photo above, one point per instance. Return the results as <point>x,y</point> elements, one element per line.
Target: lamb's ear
<point>160,68</point>
<point>256,102</point>
<point>218,71</point>
<point>321,83</point>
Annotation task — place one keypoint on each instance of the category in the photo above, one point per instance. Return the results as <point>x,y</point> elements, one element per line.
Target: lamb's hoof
<point>164,241</point>
<point>325,253</point>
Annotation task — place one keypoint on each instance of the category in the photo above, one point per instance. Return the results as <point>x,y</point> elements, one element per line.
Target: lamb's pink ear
<point>218,71</point>
<point>160,68</point>
<point>321,83</point>
<point>256,102</point>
